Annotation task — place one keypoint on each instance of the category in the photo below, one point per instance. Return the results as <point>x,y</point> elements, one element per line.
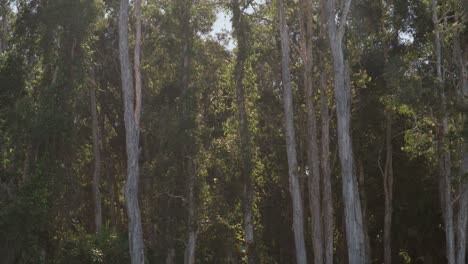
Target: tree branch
<point>344,17</point>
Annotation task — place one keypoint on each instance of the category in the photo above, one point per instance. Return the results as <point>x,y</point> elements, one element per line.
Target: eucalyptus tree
<point>313,154</point>
<point>352,204</point>
<point>294,188</point>
<point>132,111</point>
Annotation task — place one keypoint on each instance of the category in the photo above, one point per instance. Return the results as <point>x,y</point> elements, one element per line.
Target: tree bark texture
<point>294,188</point>
<point>313,155</point>
<point>352,205</point>
<point>327,197</point>
<point>239,24</point>
<point>131,117</point>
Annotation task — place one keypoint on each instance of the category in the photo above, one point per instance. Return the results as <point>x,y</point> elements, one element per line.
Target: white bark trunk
<point>352,205</point>
<point>294,188</point>
<point>131,117</point>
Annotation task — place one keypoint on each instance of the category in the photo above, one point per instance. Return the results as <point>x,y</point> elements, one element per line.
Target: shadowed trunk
<point>388,191</point>
<point>294,188</point>
<point>462,216</point>
<point>132,109</point>
<point>239,25</point>
<point>313,156</point>
<point>327,198</point>
<point>443,154</point>
<point>97,162</point>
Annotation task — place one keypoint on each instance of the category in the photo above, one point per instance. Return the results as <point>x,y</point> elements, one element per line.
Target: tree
<point>352,205</point>
<point>239,24</point>
<point>443,155</point>
<point>294,188</point>
<point>313,154</point>
<point>97,160</point>
<point>132,111</point>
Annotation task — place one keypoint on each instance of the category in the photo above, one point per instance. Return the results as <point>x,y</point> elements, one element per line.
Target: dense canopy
<point>306,131</point>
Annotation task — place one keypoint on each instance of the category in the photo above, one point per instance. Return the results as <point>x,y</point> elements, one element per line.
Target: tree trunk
<point>444,155</point>
<point>313,156</point>
<point>97,162</point>
<point>188,148</point>
<point>239,24</point>
<point>294,188</point>
<point>327,198</point>
<point>132,120</point>
<point>388,191</point>
<point>461,224</point>
<point>352,205</point>
<point>363,195</point>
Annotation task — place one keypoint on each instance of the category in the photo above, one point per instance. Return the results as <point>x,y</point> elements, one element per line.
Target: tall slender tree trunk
<point>132,110</point>
<point>363,195</point>
<point>327,198</point>
<point>352,205</point>
<point>188,149</point>
<point>97,162</point>
<point>388,190</point>
<point>444,155</point>
<point>313,155</point>
<point>294,188</point>
<point>239,25</point>
<point>462,216</point>
<point>112,197</point>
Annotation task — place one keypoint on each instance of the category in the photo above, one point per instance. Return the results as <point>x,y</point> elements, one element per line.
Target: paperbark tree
<point>239,25</point>
<point>313,155</point>
<point>352,205</point>
<point>443,154</point>
<point>132,110</point>
<point>294,188</point>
